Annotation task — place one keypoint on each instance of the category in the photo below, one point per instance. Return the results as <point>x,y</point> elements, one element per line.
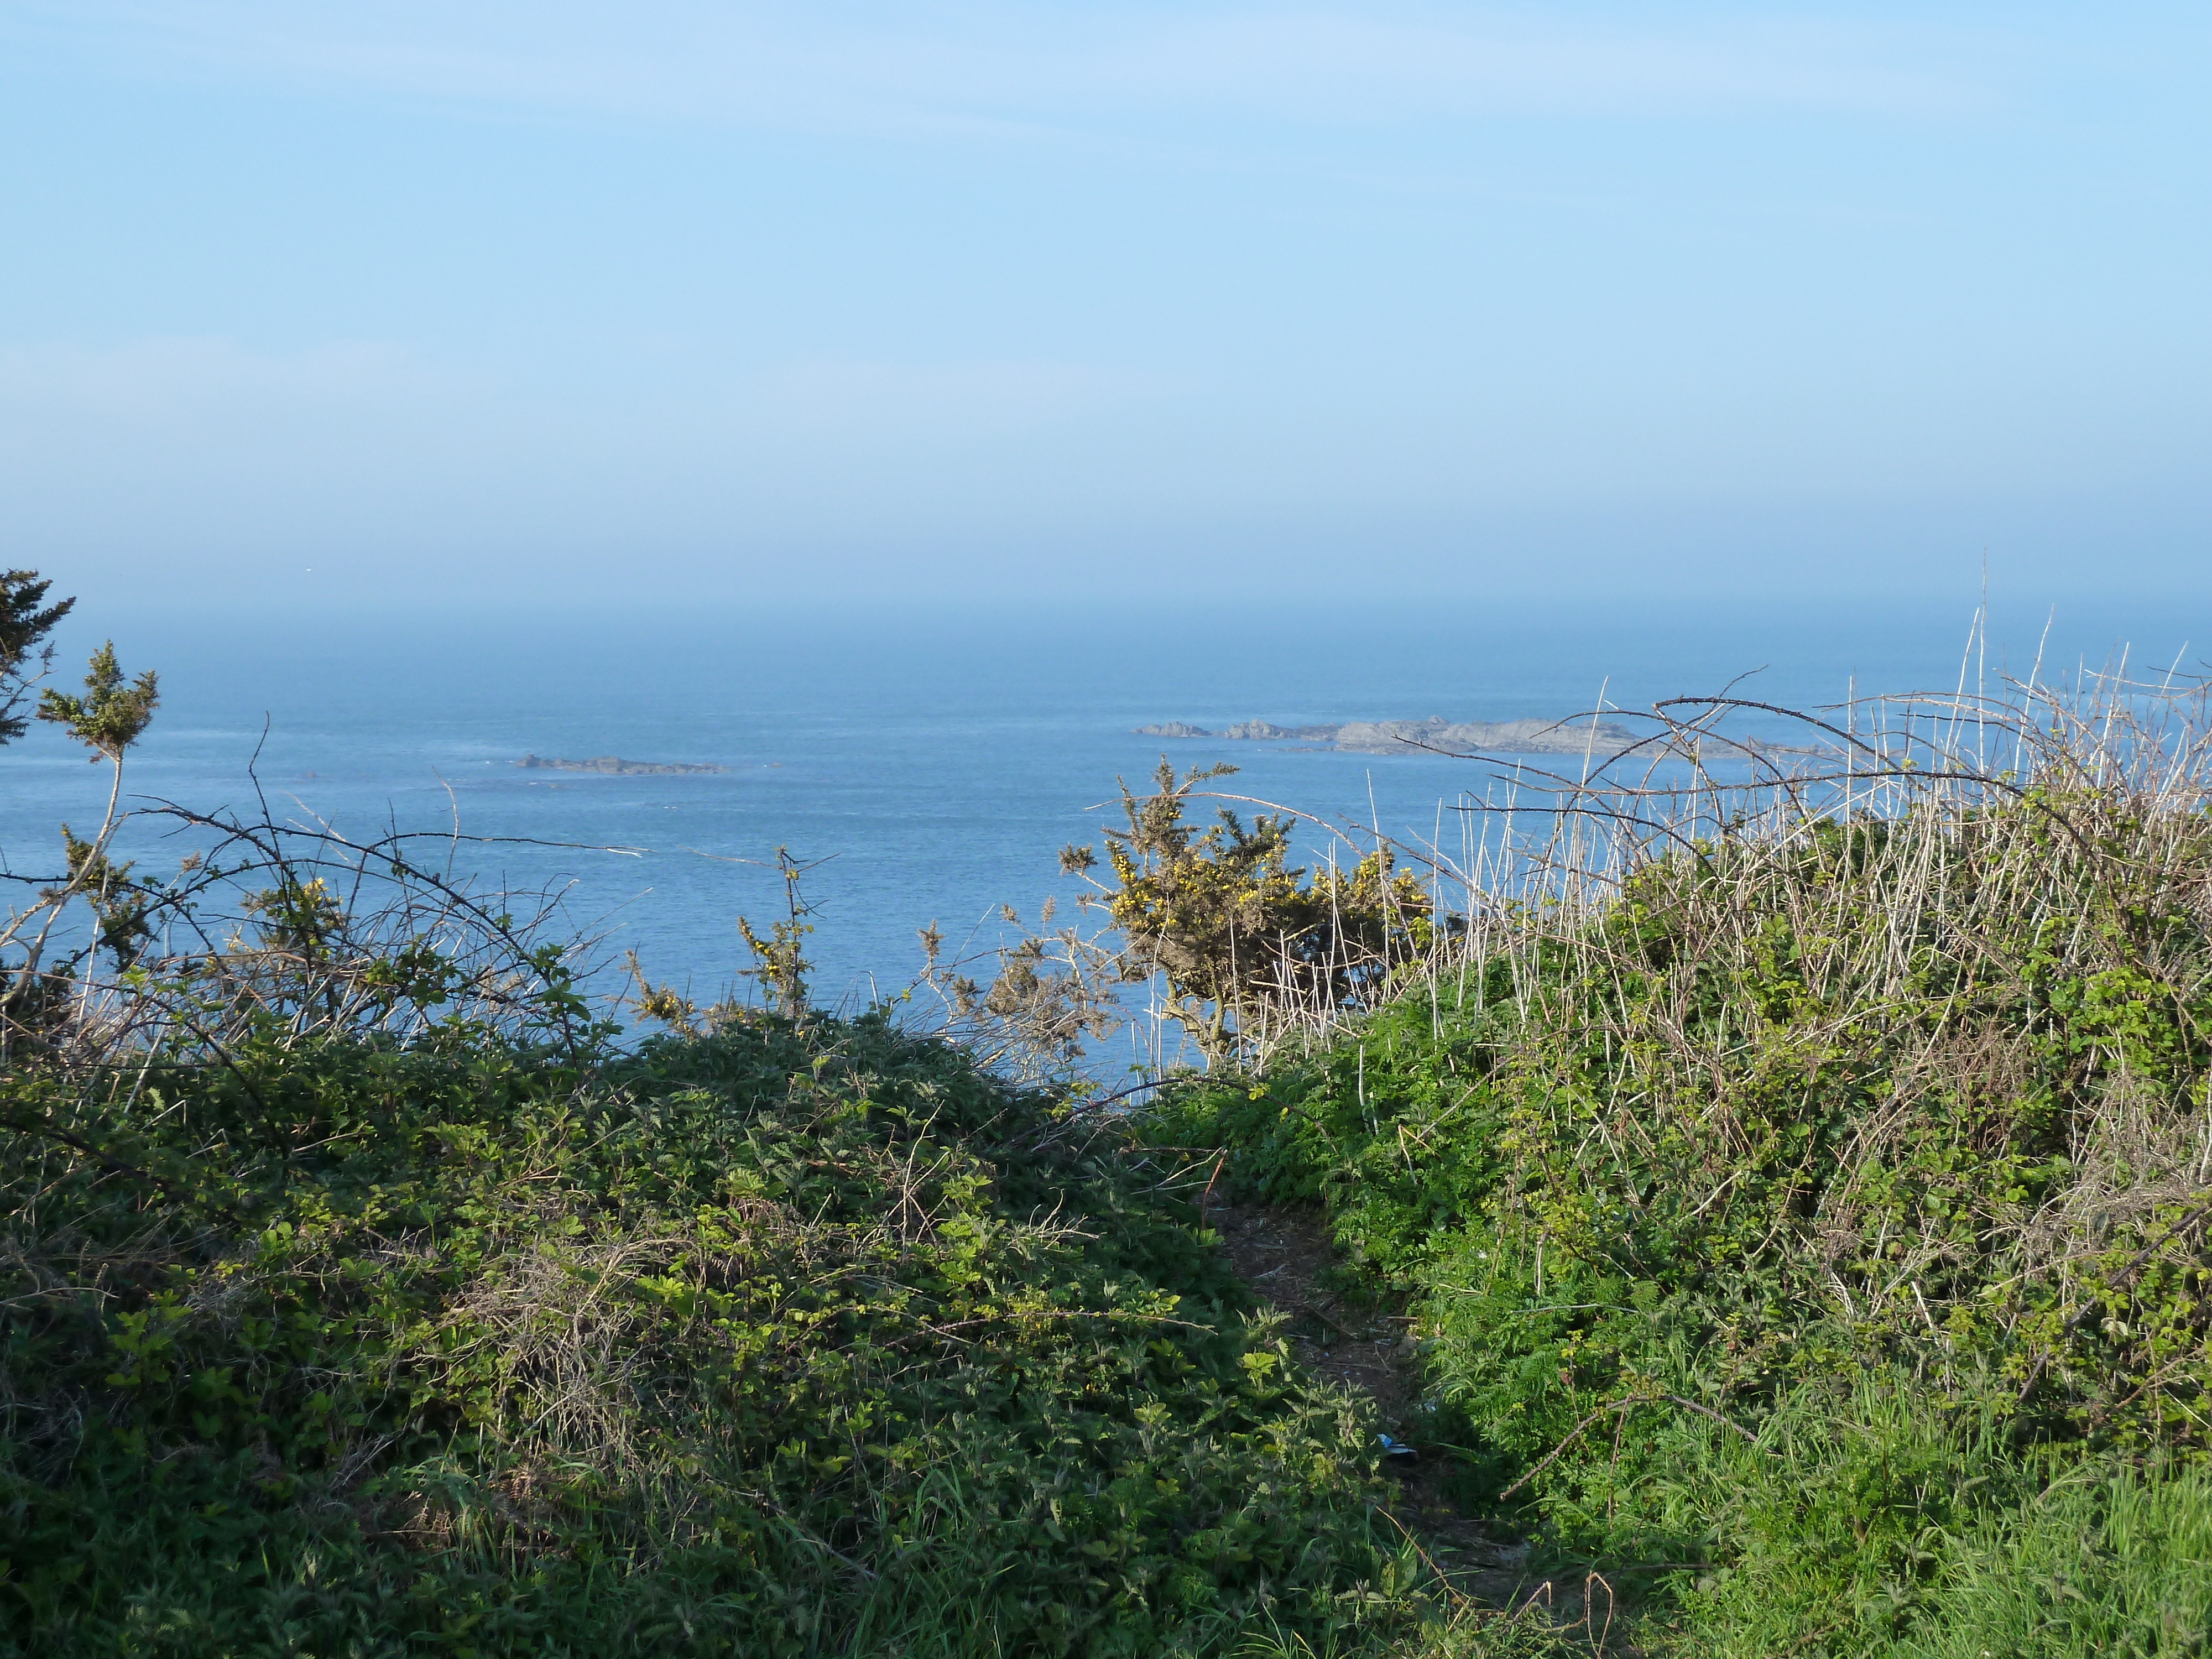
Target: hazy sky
<point>462,299</point>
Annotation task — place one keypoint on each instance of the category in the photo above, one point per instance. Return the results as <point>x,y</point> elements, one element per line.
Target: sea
<point>925,764</point>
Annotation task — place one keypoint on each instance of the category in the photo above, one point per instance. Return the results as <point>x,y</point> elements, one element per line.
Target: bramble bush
<point>780,1341</point>
<point>1804,1198</point>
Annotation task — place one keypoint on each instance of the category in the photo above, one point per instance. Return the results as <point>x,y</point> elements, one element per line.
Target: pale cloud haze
<point>858,299</point>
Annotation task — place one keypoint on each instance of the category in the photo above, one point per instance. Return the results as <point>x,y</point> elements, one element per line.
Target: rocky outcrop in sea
<point>1573,736</point>
<point>616,766</point>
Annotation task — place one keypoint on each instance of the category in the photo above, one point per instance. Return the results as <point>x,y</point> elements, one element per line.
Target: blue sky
<point>460,301</point>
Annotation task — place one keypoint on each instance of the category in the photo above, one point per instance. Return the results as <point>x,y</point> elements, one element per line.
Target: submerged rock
<point>616,765</point>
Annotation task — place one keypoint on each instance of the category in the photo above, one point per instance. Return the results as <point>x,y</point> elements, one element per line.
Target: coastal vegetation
<point>1801,1186</point>
<point>366,1293</point>
<point>1789,1163</point>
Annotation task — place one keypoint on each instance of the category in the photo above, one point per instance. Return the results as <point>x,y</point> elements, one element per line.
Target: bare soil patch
<point>1285,1256</point>
<point>1366,1343</point>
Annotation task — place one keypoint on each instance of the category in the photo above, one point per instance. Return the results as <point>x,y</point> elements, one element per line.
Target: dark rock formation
<point>615,766</point>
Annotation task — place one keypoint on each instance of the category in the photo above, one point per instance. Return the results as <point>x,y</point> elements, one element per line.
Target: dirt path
<point>1285,1256</point>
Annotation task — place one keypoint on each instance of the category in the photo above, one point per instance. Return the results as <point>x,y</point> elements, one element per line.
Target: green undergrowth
<point>1811,1238</point>
<point>774,1342</point>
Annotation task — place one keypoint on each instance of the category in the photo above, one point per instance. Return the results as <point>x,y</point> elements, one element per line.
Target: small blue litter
<point>1395,1447</point>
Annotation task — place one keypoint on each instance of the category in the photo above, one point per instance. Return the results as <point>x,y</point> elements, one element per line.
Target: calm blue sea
<point>935,761</point>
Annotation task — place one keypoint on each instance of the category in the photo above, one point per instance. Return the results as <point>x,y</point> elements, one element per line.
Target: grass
<point>1804,1198</point>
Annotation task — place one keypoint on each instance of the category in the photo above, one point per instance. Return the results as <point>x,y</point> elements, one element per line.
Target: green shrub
<point>773,1341</point>
<point>1782,1222</point>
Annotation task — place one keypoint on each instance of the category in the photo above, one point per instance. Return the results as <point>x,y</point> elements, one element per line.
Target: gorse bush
<point>1244,944</point>
<point>1236,947</point>
<point>1789,1177</point>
